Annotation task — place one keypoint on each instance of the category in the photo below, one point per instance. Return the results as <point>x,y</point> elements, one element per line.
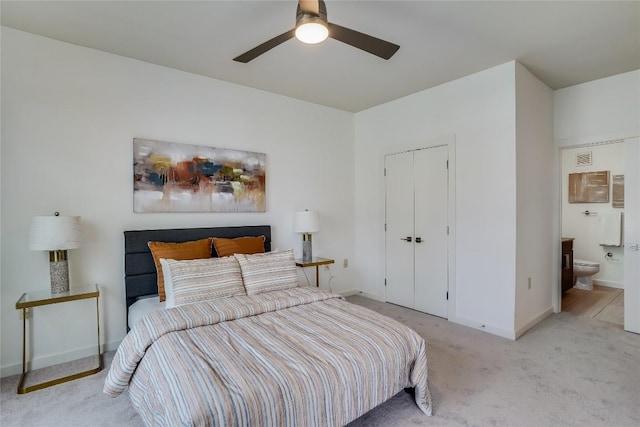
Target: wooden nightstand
<point>34,299</point>
<point>315,262</point>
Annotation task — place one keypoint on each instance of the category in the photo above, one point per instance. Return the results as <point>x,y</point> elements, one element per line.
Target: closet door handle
<point>418,239</point>
<point>407,239</point>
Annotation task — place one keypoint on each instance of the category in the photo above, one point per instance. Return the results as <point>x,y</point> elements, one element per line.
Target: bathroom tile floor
<point>602,303</point>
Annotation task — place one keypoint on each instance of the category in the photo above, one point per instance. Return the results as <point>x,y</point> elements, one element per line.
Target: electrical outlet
<point>529,283</point>
<point>345,263</point>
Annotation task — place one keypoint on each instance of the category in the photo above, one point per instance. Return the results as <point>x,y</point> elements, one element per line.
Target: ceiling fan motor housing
<point>307,17</point>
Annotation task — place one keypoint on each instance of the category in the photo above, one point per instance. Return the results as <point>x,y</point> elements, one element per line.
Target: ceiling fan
<point>312,27</point>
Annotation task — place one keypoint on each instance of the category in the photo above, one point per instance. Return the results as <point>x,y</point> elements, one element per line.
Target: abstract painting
<point>589,187</point>
<point>617,188</point>
<point>173,177</point>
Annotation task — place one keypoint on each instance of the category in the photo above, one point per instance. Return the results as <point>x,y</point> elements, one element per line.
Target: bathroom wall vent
<point>583,159</point>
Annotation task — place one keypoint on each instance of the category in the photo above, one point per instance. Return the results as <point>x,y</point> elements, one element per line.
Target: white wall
<point>584,229</point>
<point>534,177</point>
<point>480,111</point>
<point>596,111</point>
<point>69,115</point>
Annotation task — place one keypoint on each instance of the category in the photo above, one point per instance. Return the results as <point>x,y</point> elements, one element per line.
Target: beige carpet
<point>566,371</point>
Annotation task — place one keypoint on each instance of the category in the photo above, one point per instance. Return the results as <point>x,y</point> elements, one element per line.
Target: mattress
<point>142,307</point>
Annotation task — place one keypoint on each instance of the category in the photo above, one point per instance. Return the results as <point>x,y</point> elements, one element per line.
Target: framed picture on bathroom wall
<point>589,187</point>
<point>617,191</point>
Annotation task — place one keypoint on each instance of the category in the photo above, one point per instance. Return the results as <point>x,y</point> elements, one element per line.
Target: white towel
<point>610,229</point>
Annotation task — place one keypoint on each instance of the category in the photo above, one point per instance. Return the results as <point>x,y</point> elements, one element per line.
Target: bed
<point>284,356</point>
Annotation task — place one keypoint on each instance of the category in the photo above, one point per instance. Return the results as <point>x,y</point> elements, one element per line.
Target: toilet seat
<point>584,263</point>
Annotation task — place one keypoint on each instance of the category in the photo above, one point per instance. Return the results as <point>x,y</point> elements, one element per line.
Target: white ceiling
<point>562,42</point>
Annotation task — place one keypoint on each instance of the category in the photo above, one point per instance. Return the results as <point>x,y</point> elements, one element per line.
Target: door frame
<point>631,232</point>
<point>632,309</point>
<point>450,142</point>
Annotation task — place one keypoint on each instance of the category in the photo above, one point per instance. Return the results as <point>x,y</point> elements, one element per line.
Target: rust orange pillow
<point>195,249</point>
<point>240,245</point>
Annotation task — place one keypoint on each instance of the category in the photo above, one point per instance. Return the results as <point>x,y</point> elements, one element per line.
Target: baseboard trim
<point>609,284</point>
<point>55,359</point>
<point>504,333</point>
<point>361,293</point>
<point>369,295</point>
<point>534,322</point>
<point>349,293</point>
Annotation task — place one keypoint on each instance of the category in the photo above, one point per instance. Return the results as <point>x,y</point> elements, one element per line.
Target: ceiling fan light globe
<point>312,32</point>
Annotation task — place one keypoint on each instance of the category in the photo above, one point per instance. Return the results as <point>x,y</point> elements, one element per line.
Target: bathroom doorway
<point>592,219</point>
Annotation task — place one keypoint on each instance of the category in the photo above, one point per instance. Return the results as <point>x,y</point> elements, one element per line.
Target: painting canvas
<point>173,177</point>
<point>617,188</point>
<point>589,187</point>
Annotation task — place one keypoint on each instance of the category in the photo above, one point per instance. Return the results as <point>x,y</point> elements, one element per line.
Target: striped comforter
<point>298,357</point>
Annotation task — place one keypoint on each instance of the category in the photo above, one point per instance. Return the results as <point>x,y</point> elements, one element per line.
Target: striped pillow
<point>271,271</point>
<point>179,251</point>
<point>197,280</point>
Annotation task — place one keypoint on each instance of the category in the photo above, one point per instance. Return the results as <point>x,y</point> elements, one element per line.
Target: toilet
<point>582,272</point>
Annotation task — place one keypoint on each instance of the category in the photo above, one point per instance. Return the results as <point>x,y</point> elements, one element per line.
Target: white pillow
<point>270,271</point>
<point>169,300</point>
<point>204,279</point>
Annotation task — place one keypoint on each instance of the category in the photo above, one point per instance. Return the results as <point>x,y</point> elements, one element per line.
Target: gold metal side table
<point>34,299</point>
<point>315,262</point>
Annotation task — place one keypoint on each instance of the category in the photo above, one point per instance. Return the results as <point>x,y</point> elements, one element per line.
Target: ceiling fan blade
<point>268,45</point>
<point>310,6</point>
<point>373,45</point>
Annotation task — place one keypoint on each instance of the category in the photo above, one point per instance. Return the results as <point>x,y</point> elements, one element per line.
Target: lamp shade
<point>52,233</point>
<point>305,222</point>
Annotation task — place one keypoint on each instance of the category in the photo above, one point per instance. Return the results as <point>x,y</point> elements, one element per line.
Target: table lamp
<point>306,222</point>
<point>56,234</point>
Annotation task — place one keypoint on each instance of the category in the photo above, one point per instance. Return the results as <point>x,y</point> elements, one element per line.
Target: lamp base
<point>59,271</point>
<point>307,253</point>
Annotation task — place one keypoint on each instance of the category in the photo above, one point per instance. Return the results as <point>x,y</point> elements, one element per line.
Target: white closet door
<point>431,240</point>
<point>399,223</point>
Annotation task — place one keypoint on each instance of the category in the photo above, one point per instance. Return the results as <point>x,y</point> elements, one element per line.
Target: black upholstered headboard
<point>139,269</point>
